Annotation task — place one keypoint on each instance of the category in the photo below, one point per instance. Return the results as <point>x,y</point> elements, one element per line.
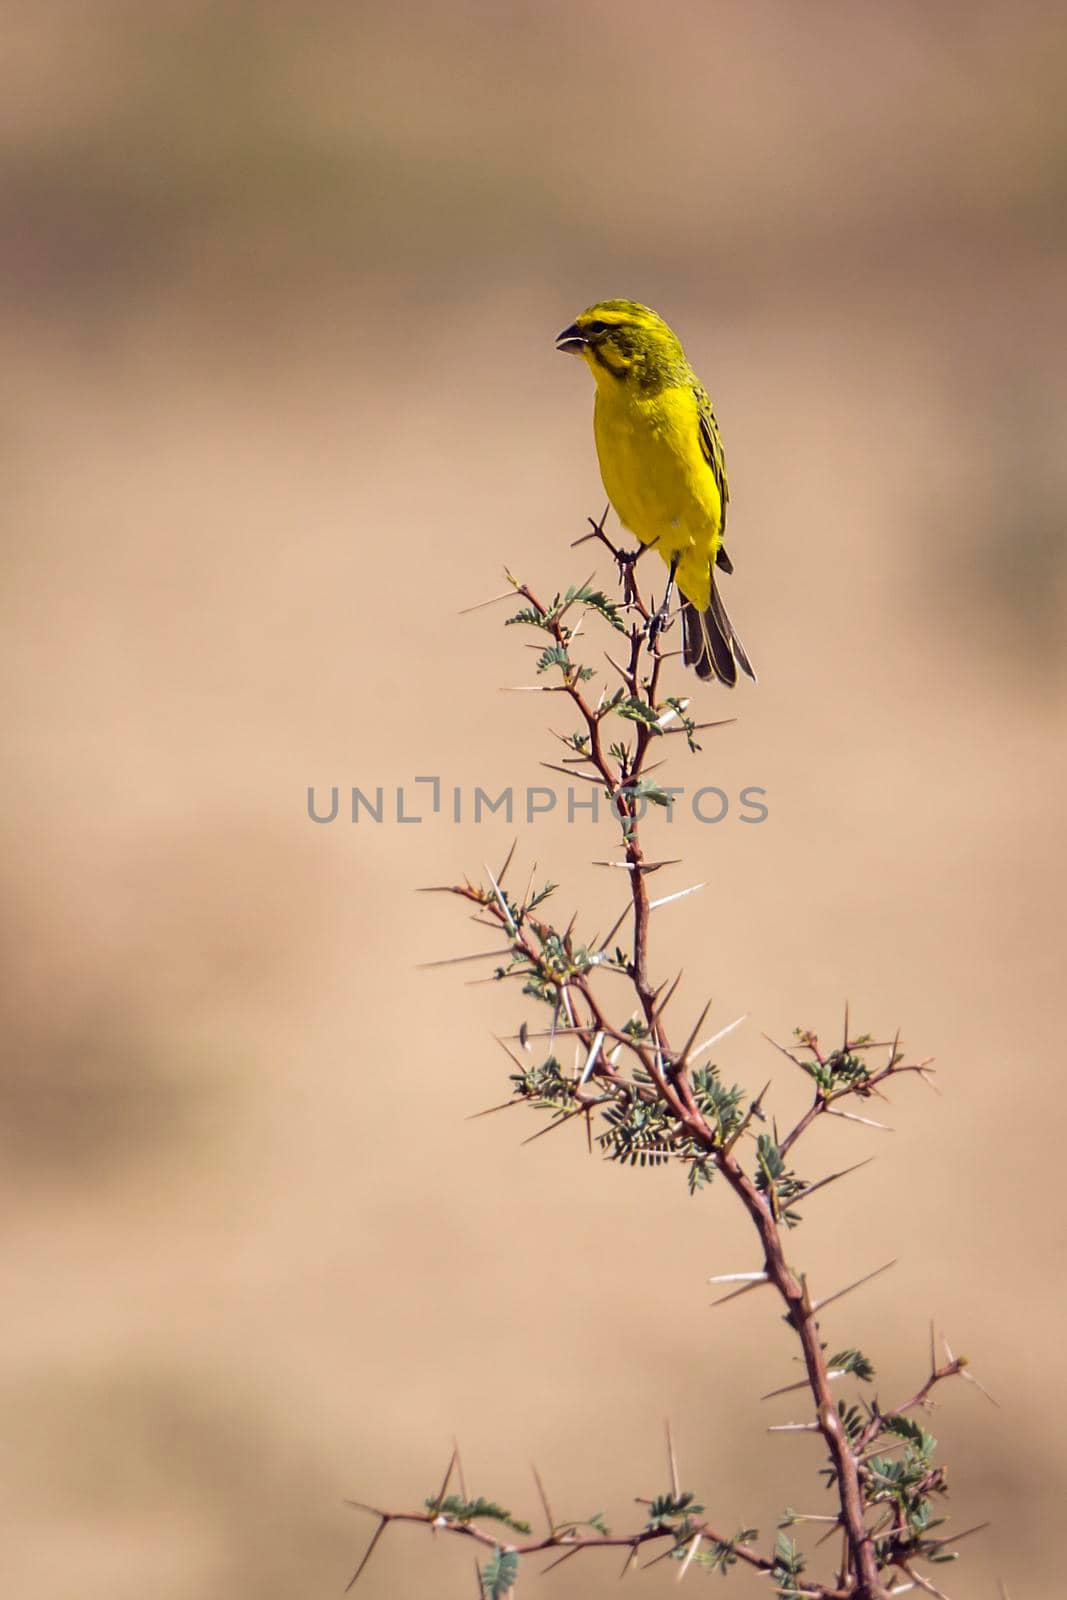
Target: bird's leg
<point>659,622</point>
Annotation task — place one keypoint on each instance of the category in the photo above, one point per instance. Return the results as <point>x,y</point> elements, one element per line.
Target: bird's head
<point>624,341</point>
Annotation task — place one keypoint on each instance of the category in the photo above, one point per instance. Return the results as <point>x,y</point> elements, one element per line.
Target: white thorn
<point>671,712</point>
<point>591,1060</point>
<point>850,1116</point>
<point>691,1553</point>
<point>501,901</point>
<point>680,895</point>
<point>708,1043</point>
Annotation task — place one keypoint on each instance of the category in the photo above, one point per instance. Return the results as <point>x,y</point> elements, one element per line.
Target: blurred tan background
<point>280,397</point>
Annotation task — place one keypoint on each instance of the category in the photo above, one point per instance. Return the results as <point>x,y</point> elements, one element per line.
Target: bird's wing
<point>711,445</point>
<point>715,456</point>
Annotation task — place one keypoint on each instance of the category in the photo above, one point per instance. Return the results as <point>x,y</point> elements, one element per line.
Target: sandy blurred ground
<point>280,397</point>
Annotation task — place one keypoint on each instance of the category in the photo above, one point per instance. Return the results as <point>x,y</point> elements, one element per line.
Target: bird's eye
<point>596,328</point>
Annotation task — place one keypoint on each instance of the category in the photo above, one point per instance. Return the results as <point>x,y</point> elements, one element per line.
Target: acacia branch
<point>667,1109</point>
<point>566,1538</point>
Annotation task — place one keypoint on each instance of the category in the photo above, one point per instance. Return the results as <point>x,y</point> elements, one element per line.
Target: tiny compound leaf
<point>596,600</point>
<point>924,1444</point>
<point>683,720</point>
<point>546,1087</point>
<point>461,1510</point>
<point>722,1555</point>
<point>635,710</point>
<point>529,616</point>
<point>596,1522</point>
<point>776,1180</point>
<point>554,655</point>
<point>788,1565</point>
<point>500,1573</point>
<point>666,1507</point>
<point>540,896</point>
<point>853,1420</point>
<point>853,1362</point>
<point>646,789</point>
<point>846,1069</point>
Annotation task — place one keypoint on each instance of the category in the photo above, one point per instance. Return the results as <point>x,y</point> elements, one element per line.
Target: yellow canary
<point>662,462</point>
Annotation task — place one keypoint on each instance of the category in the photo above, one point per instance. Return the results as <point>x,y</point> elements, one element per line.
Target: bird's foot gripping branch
<point>645,1094</point>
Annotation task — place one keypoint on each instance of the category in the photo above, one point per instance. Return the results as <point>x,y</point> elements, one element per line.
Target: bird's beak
<point>571,341</point>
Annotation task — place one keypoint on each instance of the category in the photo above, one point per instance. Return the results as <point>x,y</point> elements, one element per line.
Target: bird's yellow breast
<point>658,478</point>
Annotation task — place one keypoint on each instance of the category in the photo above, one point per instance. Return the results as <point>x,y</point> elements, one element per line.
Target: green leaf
<point>923,1443</point>
<point>596,600</point>
<point>668,1507</point>
<point>541,895</point>
<point>499,1574</point>
<point>788,1565</point>
<point>461,1510</point>
<point>528,616</point>
<point>700,1174</point>
<point>596,1522</point>
<point>723,1553</point>
<point>684,720</point>
<point>854,1362</point>
<point>635,710</point>
<point>646,789</point>
<point>774,1179</point>
<point>544,1086</point>
<point>845,1069</point>
<point>718,1104</point>
<point>853,1420</point>
<point>555,655</point>
<point>640,1133</point>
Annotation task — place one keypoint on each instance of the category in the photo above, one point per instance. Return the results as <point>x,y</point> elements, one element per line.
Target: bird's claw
<point>659,622</point>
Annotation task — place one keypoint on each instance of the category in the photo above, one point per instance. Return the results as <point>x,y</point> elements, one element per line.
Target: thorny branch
<point>660,1106</point>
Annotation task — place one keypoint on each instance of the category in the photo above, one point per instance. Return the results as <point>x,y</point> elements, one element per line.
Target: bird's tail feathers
<point>710,643</point>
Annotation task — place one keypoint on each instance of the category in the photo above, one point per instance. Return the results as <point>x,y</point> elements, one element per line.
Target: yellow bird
<point>662,462</point>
